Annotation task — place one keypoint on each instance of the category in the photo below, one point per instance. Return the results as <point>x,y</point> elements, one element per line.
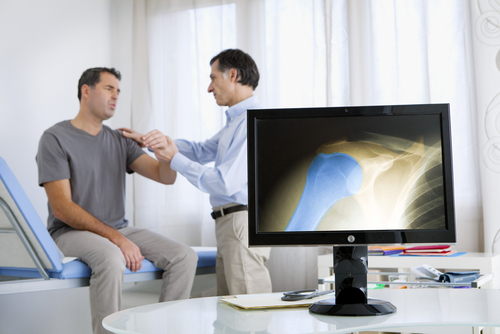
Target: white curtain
<point>309,53</point>
<point>486,38</point>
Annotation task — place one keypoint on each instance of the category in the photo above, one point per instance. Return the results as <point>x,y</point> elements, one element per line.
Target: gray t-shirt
<point>95,167</point>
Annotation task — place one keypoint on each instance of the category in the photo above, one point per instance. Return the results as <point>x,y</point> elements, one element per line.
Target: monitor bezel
<point>354,237</point>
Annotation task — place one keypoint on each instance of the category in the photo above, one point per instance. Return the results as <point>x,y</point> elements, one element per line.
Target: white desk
<point>485,263</point>
<point>419,310</point>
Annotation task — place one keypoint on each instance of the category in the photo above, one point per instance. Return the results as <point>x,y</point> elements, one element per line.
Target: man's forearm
<point>76,217</point>
<point>63,207</point>
<point>198,152</point>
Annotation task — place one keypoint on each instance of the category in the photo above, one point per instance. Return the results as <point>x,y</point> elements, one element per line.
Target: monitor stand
<point>350,265</point>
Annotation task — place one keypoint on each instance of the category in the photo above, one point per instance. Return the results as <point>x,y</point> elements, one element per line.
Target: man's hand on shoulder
<point>164,149</point>
<point>129,133</point>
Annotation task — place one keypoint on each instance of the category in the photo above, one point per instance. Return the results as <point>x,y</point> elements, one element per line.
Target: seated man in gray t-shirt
<point>82,165</point>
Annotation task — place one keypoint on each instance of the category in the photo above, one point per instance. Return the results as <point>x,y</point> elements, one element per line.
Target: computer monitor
<point>350,177</point>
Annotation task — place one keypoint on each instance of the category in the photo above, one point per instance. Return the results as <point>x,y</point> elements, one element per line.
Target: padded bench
<point>31,261</point>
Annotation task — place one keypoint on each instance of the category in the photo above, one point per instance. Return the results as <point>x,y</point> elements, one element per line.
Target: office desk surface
<point>424,310</point>
<point>485,263</point>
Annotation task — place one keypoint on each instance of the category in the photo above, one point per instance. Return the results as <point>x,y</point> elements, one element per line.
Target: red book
<point>428,249</point>
<point>445,253</point>
<point>439,250</point>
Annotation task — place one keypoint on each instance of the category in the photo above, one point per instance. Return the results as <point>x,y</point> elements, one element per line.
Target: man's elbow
<point>170,179</point>
<point>58,212</point>
<point>230,189</point>
<point>61,210</point>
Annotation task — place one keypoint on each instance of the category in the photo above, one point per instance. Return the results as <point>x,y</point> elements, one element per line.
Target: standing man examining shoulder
<point>82,165</point>
<point>234,77</point>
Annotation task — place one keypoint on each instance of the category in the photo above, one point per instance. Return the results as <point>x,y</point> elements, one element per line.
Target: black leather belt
<point>226,211</point>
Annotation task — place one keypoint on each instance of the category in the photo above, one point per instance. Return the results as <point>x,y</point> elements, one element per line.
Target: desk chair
<point>30,258</point>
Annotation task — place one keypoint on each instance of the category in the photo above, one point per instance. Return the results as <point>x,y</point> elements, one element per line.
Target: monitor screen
<point>350,175</point>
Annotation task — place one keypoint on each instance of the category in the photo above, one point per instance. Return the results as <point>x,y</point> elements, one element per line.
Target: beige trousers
<point>108,265</point>
<point>239,269</point>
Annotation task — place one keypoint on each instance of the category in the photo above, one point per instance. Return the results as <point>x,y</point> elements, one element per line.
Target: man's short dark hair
<point>248,73</point>
<point>92,77</point>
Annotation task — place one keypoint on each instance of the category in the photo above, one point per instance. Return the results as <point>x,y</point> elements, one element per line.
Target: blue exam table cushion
<point>78,269</point>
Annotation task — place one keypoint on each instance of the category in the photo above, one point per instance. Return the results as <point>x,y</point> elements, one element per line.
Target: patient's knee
<point>111,263</point>
<point>191,257</point>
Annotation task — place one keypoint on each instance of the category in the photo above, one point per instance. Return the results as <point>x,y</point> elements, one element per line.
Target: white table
<point>419,310</point>
<point>485,263</point>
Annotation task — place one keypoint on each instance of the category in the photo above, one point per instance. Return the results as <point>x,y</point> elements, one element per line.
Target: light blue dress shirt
<point>227,181</point>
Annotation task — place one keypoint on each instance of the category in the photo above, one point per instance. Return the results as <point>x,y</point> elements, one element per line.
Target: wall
<point>486,41</point>
<point>45,46</point>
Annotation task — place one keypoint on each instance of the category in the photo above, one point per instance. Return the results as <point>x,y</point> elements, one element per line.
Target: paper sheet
<point>260,301</point>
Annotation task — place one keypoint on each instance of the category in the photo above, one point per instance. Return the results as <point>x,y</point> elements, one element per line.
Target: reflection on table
<point>431,310</point>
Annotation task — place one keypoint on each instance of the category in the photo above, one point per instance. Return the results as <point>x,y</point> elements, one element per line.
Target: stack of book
<point>438,250</point>
<point>385,250</point>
